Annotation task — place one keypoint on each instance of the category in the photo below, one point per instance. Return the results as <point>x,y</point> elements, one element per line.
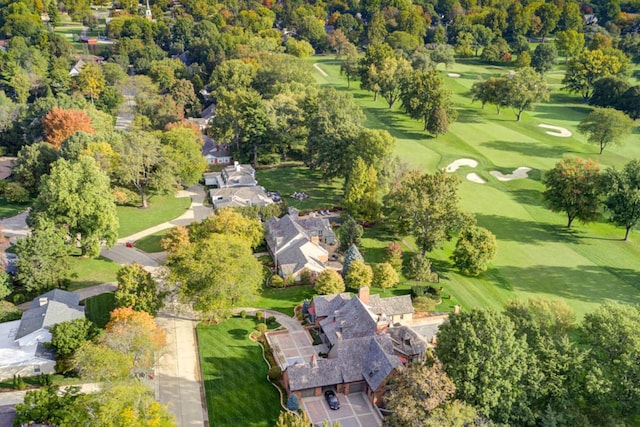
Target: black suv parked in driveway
<point>332,399</point>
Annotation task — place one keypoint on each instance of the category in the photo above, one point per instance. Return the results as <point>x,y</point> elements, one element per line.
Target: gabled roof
<point>352,320</point>
<point>239,197</point>
<point>49,309</point>
<point>380,362</point>
<point>406,341</point>
<point>304,375</point>
<point>212,148</point>
<point>391,306</point>
<point>209,112</point>
<point>325,305</point>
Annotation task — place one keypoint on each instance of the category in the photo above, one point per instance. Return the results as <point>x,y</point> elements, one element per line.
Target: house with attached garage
<point>365,345</point>
<point>215,154</point>
<point>22,342</point>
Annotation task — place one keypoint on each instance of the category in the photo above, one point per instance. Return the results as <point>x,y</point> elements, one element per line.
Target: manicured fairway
<point>237,390</point>
<point>537,255</point>
<point>161,209</point>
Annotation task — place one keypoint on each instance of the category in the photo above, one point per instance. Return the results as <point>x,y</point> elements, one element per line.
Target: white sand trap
<point>556,131</point>
<point>452,167</point>
<point>474,177</point>
<point>520,173</point>
<point>320,70</point>
<point>454,75</point>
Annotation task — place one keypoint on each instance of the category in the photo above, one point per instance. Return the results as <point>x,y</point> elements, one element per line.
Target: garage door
<point>356,388</point>
<point>310,392</point>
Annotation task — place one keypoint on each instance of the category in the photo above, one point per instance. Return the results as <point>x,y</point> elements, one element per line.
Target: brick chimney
<point>315,240</point>
<point>363,294</point>
<point>42,301</point>
<point>314,361</point>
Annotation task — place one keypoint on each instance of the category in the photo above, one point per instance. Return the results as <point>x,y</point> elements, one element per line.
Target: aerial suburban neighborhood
<point>306,214</point>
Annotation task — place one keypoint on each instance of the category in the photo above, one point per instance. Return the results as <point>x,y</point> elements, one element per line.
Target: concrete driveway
<point>355,411</point>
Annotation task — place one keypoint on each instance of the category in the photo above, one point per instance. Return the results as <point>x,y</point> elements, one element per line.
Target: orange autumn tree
<point>59,124</point>
<point>135,333</point>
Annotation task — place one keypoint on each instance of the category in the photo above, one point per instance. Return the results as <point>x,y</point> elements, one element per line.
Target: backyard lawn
<point>283,299</point>
<point>97,308</point>
<point>8,209</point>
<point>237,390</point>
<point>322,193</point>
<point>537,255</point>
<point>161,209</point>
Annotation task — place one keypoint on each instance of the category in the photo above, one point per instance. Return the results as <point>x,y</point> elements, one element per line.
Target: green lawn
<point>322,193</point>
<point>97,308</point>
<point>161,209</point>
<point>234,374</point>
<point>537,256</point>
<point>92,271</point>
<point>283,299</point>
<point>151,243</point>
<point>8,209</point>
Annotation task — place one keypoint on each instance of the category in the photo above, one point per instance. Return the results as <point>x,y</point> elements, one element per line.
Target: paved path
<point>16,226</point>
<point>288,322</point>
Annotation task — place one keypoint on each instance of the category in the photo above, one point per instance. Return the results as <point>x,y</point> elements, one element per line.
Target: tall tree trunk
<point>626,234</point>
<point>570,220</point>
<point>143,195</point>
<point>255,155</point>
<point>348,81</point>
<point>601,147</point>
<point>518,115</point>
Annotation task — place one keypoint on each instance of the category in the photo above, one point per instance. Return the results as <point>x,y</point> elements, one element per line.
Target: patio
<point>355,411</point>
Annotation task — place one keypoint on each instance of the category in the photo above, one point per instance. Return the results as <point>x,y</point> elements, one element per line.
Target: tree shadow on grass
<point>533,149</point>
<point>519,230</point>
<point>239,334</point>
<point>586,283</point>
<point>469,115</point>
<point>526,196</point>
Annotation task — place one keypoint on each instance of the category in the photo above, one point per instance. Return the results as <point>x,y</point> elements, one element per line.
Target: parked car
<point>332,399</point>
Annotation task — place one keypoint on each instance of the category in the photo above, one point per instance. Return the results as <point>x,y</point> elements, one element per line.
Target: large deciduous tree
<point>544,57</point>
<point>229,221</point>
<point>573,186</point>
<point>349,233</point>
<point>385,276</point>
<point>359,275</point>
<point>34,161</point>
<point>43,260</point>
<point>622,190</point>
<point>216,273</point>
<point>524,90</point>
<point>138,289</point>
<point>76,197</point>
<point>361,192</point>
<point>488,364</point>
<point>587,68</point>
<point>476,246</point>
<point>184,147</point>
<point>422,92</point>
<point>426,207</point>
<point>605,126</point>
<point>613,378</point>
<point>607,91</point>
<point>570,43</point>
<point>143,168</point>
<point>334,124</point>
<point>416,392</point>
<point>59,124</point>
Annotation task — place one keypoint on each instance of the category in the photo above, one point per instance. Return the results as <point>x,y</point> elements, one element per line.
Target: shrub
<point>9,312</point>
<point>289,281</point>
<point>359,275</point>
<point>394,255</point>
<point>293,403</point>
<point>419,269</point>
<point>275,373</point>
<point>305,277</point>
<point>277,281</point>
<point>269,159</point>
<point>14,192</point>
<point>18,383</point>
<point>44,379</point>
<point>425,303</point>
<point>18,298</point>
<point>421,291</point>
<point>243,314</point>
<point>261,327</point>
<point>271,320</point>
<point>259,315</point>
<point>124,196</point>
<point>329,282</point>
<point>385,276</point>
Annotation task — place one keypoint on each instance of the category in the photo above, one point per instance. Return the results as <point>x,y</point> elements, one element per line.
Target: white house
<point>22,349</point>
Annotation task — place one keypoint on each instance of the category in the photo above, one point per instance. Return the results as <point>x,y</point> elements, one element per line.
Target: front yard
<point>234,375</point>
<point>161,209</point>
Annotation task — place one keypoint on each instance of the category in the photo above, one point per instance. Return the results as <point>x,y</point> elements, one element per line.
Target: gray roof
<point>239,197</point>
<point>318,227</point>
<point>211,148</point>
<point>352,320</point>
<point>238,175</point>
<point>286,238</point>
<point>325,305</point>
<point>391,306</point>
<point>60,306</point>
<point>380,362</point>
<point>407,341</point>
<point>208,112</point>
<point>366,358</point>
<point>304,375</point>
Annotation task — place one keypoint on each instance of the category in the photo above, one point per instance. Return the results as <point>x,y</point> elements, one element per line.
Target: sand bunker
<point>454,166</point>
<point>520,173</point>
<point>556,131</point>
<point>454,75</point>
<point>474,177</point>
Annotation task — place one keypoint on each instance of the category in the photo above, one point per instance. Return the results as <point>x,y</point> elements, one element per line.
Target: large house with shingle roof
<point>294,248</point>
<point>365,345</point>
<point>22,342</point>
